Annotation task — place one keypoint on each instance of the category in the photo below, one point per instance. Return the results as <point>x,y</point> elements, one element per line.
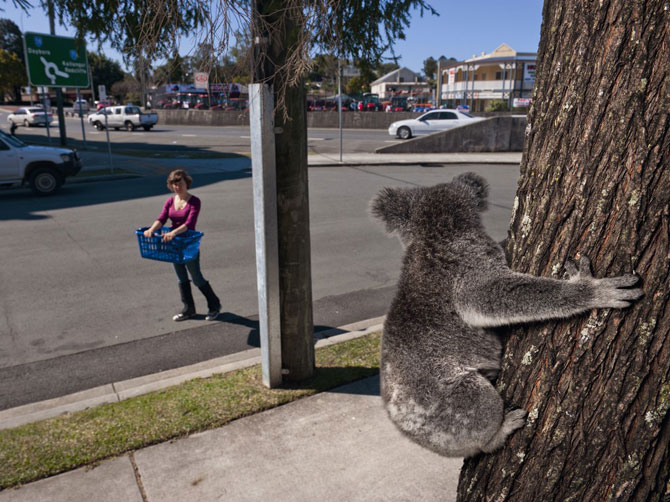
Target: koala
<point>440,353</point>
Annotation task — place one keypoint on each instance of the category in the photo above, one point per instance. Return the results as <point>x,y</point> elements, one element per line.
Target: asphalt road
<point>80,308</point>
<point>231,139</point>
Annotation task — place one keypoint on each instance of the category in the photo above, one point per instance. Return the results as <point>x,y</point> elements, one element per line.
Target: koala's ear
<point>478,186</point>
<point>393,206</point>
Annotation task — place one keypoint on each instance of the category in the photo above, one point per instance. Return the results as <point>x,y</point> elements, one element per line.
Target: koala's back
<point>434,365</point>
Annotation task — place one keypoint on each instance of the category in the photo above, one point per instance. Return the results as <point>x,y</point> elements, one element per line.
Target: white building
<point>402,81</point>
<point>505,74</point>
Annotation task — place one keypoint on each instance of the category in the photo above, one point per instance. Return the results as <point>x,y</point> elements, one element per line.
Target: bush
<point>497,105</point>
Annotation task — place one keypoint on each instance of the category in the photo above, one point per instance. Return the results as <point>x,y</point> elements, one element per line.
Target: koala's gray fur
<point>438,353</point>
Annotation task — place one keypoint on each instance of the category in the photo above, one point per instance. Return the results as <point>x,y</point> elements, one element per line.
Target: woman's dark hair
<point>179,174</point>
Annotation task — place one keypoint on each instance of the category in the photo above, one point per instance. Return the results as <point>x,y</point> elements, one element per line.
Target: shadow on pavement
<point>21,204</point>
<point>141,144</point>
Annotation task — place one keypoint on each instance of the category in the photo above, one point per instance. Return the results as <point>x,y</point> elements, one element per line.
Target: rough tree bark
<point>280,27</point>
<point>594,180</point>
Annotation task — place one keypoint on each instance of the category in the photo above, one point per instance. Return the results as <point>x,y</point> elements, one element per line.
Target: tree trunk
<point>594,181</point>
<point>295,279</point>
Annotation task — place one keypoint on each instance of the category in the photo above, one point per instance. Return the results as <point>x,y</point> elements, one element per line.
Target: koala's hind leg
<point>514,420</point>
<point>472,418</point>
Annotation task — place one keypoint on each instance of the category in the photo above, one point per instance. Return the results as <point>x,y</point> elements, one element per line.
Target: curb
<point>119,391</point>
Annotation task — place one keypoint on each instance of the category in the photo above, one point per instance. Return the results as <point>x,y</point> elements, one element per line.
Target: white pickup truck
<point>44,168</point>
<point>129,117</point>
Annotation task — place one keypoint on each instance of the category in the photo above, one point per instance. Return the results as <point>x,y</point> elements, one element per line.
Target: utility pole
<point>273,32</point>
<point>59,92</point>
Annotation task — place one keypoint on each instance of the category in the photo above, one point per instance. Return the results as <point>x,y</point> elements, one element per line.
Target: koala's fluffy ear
<point>393,206</point>
<point>478,187</point>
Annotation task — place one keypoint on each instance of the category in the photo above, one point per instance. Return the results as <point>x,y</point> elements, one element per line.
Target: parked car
<point>80,105</point>
<point>129,117</point>
<point>428,123</point>
<point>99,105</point>
<point>43,168</point>
<point>30,116</point>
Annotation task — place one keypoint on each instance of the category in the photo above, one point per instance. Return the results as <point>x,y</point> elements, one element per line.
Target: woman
<point>183,210</point>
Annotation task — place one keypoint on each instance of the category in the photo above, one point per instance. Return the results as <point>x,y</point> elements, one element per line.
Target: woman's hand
<point>168,236</point>
<point>148,232</point>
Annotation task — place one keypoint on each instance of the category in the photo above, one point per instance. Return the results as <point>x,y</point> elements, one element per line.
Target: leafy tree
<point>176,70</point>
<point>127,90</point>
<point>497,105</point>
<point>104,70</point>
<point>135,26</point>
<point>12,74</point>
<point>430,69</point>
<point>357,85</point>
<point>11,38</point>
<point>12,42</point>
<point>384,68</point>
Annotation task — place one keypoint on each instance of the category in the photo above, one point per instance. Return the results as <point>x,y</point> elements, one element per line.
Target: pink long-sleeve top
<point>188,215</point>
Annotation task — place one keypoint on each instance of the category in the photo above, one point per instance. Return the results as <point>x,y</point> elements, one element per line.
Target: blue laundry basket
<point>183,248</point>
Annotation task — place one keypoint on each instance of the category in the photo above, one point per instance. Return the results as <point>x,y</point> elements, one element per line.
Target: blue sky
<point>462,29</point>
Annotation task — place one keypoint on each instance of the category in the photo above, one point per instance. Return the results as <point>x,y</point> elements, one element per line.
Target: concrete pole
<point>263,166</point>
<point>339,100</point>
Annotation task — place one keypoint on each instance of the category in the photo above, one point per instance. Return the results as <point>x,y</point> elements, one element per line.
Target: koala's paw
<point>610,292</point>
<point>514,420</point>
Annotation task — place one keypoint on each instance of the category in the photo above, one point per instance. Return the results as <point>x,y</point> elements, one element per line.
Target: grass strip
<point>72,440</point>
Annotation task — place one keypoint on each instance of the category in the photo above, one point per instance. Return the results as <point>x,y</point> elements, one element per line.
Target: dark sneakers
<point>212,314</point>
<point>187,299</point>
<point>213,303</point>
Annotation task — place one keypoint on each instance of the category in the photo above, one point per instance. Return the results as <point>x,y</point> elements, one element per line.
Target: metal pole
<point>263,166</point>
<point>109,145</point>
<point>46,114</point>
<point>472,92</point>
<point>504,75</point>
<point>339,100</point>
<point>81,116</point>
<point>438,91</point>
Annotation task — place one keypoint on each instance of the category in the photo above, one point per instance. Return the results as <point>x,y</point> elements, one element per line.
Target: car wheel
<point>98,126</point>
<point>26,123</point>
<point>129,126</point>
<point>45,181</point>
<point>404,133</point>
<point>147,128</point>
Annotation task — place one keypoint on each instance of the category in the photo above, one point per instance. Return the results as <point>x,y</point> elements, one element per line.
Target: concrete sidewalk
<point>335,446</point>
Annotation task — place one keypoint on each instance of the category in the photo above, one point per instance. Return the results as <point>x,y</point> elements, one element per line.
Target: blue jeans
<point>192,267</point>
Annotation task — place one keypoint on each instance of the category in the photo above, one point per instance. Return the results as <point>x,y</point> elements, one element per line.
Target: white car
<point>129,117</point>
<point>43,168</point>
<point>30,116</point>
<point>430,122</point>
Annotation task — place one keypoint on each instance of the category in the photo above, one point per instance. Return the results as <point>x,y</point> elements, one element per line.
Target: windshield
<point>35,110</point>
<point>12,140</point>
<point>467,115</point>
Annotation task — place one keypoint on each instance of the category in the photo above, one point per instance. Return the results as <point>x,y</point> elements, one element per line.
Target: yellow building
<point>505,75</point>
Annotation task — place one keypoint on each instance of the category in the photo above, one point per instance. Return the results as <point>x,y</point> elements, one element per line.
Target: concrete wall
<point>350,119</point>
<point>496,134</point>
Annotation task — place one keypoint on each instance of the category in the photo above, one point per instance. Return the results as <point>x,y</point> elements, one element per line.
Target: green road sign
<point>55,61</point>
